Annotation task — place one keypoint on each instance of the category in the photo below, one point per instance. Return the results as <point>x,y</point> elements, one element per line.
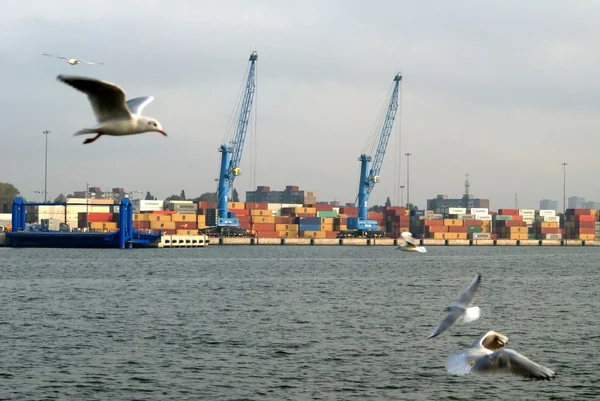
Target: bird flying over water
<point>115,116</point>
<point>461,311</point>
<point>488,356</point>
<point>410,244</point>
<point>72,61</point>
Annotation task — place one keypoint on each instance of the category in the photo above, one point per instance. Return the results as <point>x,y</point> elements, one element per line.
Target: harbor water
<point>290,323</point>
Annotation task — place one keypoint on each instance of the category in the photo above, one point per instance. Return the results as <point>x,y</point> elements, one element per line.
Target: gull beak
<point>163,132</point>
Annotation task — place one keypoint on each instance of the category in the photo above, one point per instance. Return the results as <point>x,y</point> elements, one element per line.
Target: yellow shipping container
<point>202,225</point>
<point>587,237</point>
<point>518,235</point>
<point>404,229</point>
<point>183,217</point>
<point>327,227</point>
<point>288,234</point>
<point>547,224</point>
<point>518,230</point>
<point>340,227</point>
<point>187,232</point>
<point>453,222</point>
<point>327,220</point>
<point>286,227</point>
<point>141,217</point>
<point>162,225</point>
<point>201,218</point>
<point>159,217</point>
<point>450,235</point>
<point>236,205</point>
<point>103,226</point>
<point>305,210</point>
<point>594,212</point>
<point>257,212</point>
<point>263,219</point>
<point>486,223</point>
<point>312,234</point>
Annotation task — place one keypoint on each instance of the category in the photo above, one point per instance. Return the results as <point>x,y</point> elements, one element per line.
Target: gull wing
<point>137,105</point>
<point>107,99</point>
<point>52,55</point>
<point>467,296</point>
<point>448,321</point>
<point>509,361</point>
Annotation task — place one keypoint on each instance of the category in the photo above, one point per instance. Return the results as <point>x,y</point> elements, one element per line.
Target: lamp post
<point>46,132</point>
<point>407,178</point>
<point>401,194</point>
<point>564,187</point>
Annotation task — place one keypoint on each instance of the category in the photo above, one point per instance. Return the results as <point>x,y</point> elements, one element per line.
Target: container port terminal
<point>292,216</point>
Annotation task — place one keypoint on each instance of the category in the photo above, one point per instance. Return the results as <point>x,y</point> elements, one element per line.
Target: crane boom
<point>370,177</point>
<point>231,155</point>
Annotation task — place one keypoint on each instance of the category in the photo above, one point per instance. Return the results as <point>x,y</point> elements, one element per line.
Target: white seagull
<point>72,61</point>
<point>461,311</point>
<point>115,116</point>
<point>410,244</point>
<point>488,356</point>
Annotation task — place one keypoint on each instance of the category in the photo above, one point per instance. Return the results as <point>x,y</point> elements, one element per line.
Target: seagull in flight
<point>410,244</point>
<point>115,116</point>
<point>488,356</point>
<point>461,312</point>
<point>72,61</point>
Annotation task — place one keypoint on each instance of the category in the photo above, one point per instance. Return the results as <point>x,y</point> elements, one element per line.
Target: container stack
<point>98,221</point>
<point>580,224</point>
<point>509,224</point>
<point>397,220</point>
<point>481,228</point>
<point>547,225</point>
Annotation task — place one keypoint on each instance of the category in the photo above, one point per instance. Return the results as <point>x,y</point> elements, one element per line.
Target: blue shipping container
<point>417,212</point>
<point>308,220</point>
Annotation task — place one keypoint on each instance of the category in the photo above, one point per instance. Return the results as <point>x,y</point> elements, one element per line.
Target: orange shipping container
<point>185,225</point>
<point>235,205</point>
<point>261,212</point>
<point>162,225</point>
<point>240,212</point>
<point>184,217</point>
<point>457,229</point>
<point>518,236</point>
<point>263,227</point>
<point>449,235</point>
<point>256,206</point>
<point>288,234</point>
<point>160,217</point>
<point>263,219</point>
<point>587,237</point>
<point>312,234</point>
<point>429,222</point>
<point>514,230</point>
<point>453,222</point>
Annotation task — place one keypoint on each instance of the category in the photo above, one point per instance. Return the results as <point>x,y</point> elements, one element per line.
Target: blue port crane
<point>370,177</point>
<point>231,154</point>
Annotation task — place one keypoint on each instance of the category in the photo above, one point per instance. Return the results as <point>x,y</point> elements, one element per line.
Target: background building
<point>291,194</point>
<point>547,204</point>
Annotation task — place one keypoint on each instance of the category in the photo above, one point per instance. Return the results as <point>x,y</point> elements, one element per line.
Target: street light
<point>46,132</point>
<point>407,178</point>
<point>564,187</point>
<point>401,194</point>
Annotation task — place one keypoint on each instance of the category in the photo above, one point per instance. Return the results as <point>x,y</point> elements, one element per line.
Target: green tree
<point>60,198</point>
<point>182,196</point>
<point>388,202</point>
<point>8,193</point>
<point>410,206</point>
<point>174,197</point>
<point>149,196</point>
<point>207,196</point>
<point>234,196</point>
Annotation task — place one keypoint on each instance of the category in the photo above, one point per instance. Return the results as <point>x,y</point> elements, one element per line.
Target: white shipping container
<point>457,210</point>
<point>526,212</point>
<point>428,212</point>
<point>554,236</point>
<point>544,212</point>
<point>466,216</point>
<point>483,217</point>
<point>292,205</point>
<point>480,210</point>
<point>552,219</point>
<point>274,206</point>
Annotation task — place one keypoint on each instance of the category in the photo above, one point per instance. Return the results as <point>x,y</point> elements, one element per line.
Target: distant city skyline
<point>506,106</point>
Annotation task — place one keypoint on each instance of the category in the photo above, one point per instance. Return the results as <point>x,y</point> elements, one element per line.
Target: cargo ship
<point>22,235</point>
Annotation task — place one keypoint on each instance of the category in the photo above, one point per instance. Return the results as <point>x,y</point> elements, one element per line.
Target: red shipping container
<point>303,215</point>
<point>164,212</point>
<point>168,232</point>
<point>141,225</point>
<point>284,220</point>
<point>585,217</point>
<point>578,212</point>
<point>513,223</point>
<point>263,227</point>
<point>436,229</point>
<point>514,212</point>
<point>350,211</point>
<point>323,207</point>
<point>245,226</point>
<point>375,215</point>
<point>550,230</point>
<point>186,225</point>
<point>207,205</point>
<point>240,212</point>
<point>99,217</point>
<point>429,222</point>
<point>243,219</point>
<point>472,222</point>
<point>586,230</point>
<point>457,229</point>
<point>585,224</point>
<point>399,210</point>
<point>331,234</point>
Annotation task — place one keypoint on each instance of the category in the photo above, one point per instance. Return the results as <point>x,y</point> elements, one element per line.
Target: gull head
<point>146,124</point>
<point>73,61</point>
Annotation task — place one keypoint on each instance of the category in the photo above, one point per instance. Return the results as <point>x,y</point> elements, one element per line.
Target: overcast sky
<point>504,91</point>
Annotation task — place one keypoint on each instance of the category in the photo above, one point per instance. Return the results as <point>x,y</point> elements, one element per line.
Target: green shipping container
<point>327,213</point>
<point>474,229</point>
<point>502,217</point>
